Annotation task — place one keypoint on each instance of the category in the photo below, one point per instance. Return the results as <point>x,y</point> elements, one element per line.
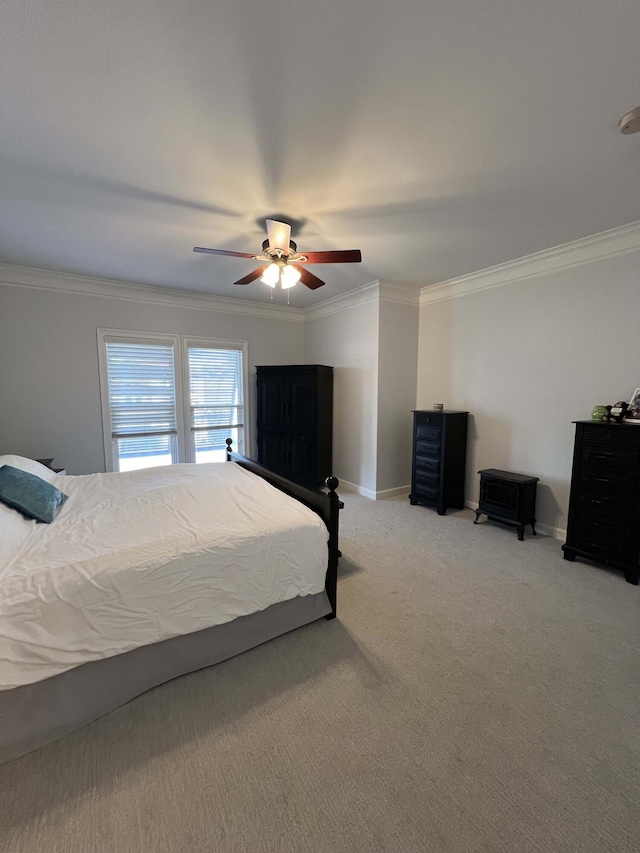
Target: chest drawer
<point>603,537</point>
<point>611,458</point>
<point>428,433</point>
<point>605,482</point>
<point>427,467</point>
<point>611,504</point>
<point>427,490</point>
<point>427,449</point>
<point>428,419</point>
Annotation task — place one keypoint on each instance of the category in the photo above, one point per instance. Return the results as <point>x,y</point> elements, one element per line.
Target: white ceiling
<point>438,136</point>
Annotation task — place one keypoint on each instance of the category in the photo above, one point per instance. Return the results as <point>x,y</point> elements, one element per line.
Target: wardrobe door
<point>273,452</point>
<point>273,393</point>
<point>302,408</point>
<point>303,458</point>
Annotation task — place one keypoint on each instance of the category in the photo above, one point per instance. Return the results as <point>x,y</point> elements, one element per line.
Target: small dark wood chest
<point>439,459</point>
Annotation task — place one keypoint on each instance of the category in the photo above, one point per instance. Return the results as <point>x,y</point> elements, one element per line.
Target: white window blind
<point>142,401</point>
<point>216,400</point>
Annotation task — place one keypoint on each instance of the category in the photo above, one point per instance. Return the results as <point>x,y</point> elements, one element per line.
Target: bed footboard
<point>324,504</point>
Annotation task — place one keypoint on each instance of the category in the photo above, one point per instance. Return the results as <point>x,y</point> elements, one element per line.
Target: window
<point>142,403</point>
<point>165,403</point>
<point>215,401</point>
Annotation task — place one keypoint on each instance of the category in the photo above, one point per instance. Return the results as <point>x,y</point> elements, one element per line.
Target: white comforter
<point>139,557</point>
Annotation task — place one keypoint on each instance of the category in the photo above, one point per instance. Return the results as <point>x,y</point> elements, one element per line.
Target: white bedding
<point>139,557</point>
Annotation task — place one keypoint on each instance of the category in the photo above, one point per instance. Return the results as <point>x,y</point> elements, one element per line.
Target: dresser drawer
<point>427,448</point>
<point>428,433</point>
<point>610,533</point>
<point>597,457</point>
<point>604,482</point>
<point>427,467</point>
<point>611,504</point>
<point>433,419</point>
<point>429,481</point>
<point>427,491</point>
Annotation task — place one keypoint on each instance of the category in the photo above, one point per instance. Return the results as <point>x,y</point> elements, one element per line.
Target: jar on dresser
<point>439,458</point>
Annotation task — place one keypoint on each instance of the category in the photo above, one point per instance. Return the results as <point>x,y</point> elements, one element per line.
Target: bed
<point>149,575</point>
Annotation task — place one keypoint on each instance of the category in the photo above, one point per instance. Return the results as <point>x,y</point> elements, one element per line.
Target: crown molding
<point>336,304</point>
<point>403,292</point>
<point>17,276</point>
<point>607,244</point>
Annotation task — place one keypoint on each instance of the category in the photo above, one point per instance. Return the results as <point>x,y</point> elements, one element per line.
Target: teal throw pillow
<point>30,495</point>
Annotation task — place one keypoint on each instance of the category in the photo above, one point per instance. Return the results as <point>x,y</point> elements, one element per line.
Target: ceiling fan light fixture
<point>280,255</point>
<point>271,275</point>
<point>290,276</point>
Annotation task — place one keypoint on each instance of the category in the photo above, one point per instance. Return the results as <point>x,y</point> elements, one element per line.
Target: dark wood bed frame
<point>325,504</point>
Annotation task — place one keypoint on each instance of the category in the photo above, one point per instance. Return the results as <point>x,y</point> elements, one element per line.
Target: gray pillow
<point>30,495</point>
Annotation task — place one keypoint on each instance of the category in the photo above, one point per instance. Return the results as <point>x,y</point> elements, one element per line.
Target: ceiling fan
<point>282,260</point>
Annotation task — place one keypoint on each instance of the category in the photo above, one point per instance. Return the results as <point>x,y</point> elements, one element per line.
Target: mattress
<point>143,556</point>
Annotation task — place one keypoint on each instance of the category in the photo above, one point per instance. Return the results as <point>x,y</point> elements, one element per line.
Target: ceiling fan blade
<point>307,277</point>
<point>347,256</point>
<point>252,276</point>
<point>223,252</point>
<point>279,234</point>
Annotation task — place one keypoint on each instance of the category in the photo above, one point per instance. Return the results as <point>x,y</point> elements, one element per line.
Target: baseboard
<point>346,486</point>
<point>545,529</point>
<point>393,493</point>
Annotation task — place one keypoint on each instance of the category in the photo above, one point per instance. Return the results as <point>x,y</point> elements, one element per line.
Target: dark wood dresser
<point>604,507</point>
<point>439,459</point>
<point>295,421</point>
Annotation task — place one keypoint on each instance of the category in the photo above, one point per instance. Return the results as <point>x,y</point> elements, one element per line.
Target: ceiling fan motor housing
<point>292,246</point>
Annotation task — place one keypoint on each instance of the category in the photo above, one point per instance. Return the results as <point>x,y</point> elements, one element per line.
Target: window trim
<point>180,344</point>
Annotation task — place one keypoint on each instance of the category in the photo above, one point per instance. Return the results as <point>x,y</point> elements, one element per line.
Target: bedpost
<point>331,518</point>
<point>229,442</point>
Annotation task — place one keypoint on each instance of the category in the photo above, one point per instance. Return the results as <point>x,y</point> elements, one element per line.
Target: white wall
<point>397,372</point>
<point>49,387</point>
<point>348,341</point>
<point>528,358</point>
<point>371,338</point>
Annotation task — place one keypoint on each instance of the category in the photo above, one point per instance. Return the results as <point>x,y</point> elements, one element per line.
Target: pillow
<point>29,465</point>
<point>29,494</point>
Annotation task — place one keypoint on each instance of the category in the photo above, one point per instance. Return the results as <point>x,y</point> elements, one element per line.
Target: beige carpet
<point>476,694</point>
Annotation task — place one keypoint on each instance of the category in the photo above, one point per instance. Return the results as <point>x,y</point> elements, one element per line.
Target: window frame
<point>180,345</point>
